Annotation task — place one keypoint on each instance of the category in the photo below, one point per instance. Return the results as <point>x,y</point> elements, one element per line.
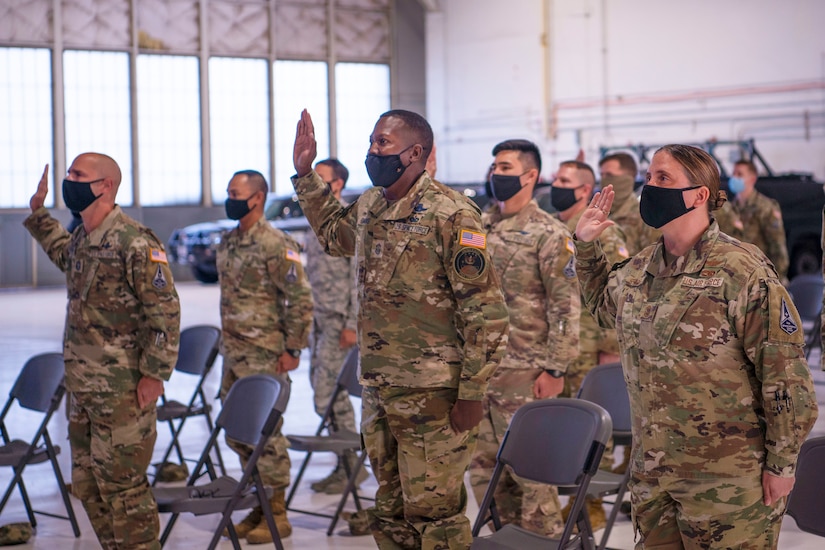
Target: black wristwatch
<point>554,373</point>
<point>294,352</point>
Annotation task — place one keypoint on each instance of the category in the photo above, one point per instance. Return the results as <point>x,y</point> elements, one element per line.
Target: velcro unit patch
<point>157,255</point>
<point>471,238</point>
<point>292,255</point>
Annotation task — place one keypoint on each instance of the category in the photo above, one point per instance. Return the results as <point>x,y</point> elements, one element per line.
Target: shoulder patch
<point>569,245</point>
<point>159,280</point>
<point>570,268</point>
<point>157,255</point>
<point>623,252</point>
<point>471,238</point>
<point>292,255</point>
<point>786,320</point>
<point>469,264</point>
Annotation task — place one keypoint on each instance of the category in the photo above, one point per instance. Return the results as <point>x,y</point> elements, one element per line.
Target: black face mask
<point>504,188</point>
<point>237,208</point>
<point>661,205</point>
<point>78,195</point>
<point>384,170</point>
<point>563,198</point>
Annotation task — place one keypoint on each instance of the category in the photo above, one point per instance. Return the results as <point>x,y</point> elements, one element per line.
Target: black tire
<point>204,276</point>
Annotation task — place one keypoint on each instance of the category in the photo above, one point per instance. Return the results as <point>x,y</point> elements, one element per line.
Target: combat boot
<point>336,487</point>
<point>261,534</point>
<point>595,510</point>
<point>250,522</point>
<point>337,477</point>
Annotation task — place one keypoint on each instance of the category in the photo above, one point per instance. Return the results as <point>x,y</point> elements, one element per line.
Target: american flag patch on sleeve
<point>471,238</point>
<point>157,255</point>
<point>292,255</point>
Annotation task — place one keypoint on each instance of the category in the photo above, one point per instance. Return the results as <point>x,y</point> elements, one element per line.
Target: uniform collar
<point>692,262</point>
<point>98,234</point>
<point>521,216</point>
<point>405,206</point>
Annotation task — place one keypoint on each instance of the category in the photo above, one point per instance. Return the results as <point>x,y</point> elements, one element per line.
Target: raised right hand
<point>594,219</point>
<point>39,197</point>
<point>305,147</point>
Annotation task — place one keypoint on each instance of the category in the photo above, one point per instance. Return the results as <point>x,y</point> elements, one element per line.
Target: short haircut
<point>418,125</point>
<point>338,169</point>
<point>527,150</point>
<point>255,179</point>
<point>589,178</point>
<point>626,162</point>
<point>749,165</point>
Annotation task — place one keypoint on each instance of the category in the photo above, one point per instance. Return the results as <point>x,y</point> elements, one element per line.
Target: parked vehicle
<point>800,197</point>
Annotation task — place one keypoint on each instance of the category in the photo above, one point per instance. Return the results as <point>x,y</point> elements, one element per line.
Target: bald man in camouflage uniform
<point>266,311</point>
<point>533,256</point>
<point>334,326</point>
<point>761,217</point>
<point>432,327</point>
<point>120,345</point>
<point>712,350</point>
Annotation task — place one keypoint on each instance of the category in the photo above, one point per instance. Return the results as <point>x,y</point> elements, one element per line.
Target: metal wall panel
<point>91,24</point>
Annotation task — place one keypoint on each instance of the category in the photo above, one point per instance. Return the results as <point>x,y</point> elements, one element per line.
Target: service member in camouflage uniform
<point>533,257</point>
<point>432,326</point>
<point>619,170</point>
<point>266,311</point>
<point>334,324</point>
<point>760,215</point>
<point>120,344</point>
<point>712,348</point>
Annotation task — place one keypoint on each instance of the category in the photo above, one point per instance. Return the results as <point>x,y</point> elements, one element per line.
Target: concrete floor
<point>31,322</point>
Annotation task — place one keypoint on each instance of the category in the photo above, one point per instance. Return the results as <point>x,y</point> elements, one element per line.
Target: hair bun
<point>721,198</point>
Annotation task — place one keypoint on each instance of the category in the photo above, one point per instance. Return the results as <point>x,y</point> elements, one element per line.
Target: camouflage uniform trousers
<point>419,462</point>
<point>112,441</point>
<point>532,506</point>
<point>325,363</point>
<point>273,463</point>
<point>704,513</point>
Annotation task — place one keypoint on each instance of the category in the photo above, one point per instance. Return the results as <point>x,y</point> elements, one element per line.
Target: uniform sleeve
<point>288,275</point>
<point>53,237</point>
<point>481,312</point>
<point>771,331</point>
<point>777,249</point>
<point>597,281</point>
<point>151,279</point>
<point>351,321</point>
<point>557,261</point>
<point>614,245</point>
<point>334,224</point>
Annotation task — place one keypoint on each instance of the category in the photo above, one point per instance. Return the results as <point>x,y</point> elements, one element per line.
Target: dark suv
<point>196,245</point>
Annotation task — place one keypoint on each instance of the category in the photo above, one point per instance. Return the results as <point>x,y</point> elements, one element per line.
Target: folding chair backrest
<point>806,291</point>
<point>605,386</point>
<point>348,377</point>
<point>554,440</point>
<point>198,349</point>
<point>37,383</point>
<point>805,501</point>
<point>249,404</point>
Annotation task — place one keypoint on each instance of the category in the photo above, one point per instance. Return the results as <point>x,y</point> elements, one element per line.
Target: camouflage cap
<point>15,533</point>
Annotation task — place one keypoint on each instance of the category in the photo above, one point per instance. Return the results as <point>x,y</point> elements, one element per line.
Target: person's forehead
<point>325,172</point>
<point>83,163</point>
<point>611,165</point>
<point>390,125</point>
<point>238,182</point>
<point>507,157</point>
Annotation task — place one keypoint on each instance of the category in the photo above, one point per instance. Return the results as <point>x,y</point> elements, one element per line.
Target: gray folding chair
<point>805,502</point>
<point>39,387</point>
<point>198,350</point>
<point>250,414</point>
<point>605,386</point>
<point>806,291</point>
<point>328,438</point>
<point>554,441</point>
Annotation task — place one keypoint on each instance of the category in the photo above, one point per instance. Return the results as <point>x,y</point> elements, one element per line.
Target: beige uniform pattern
<point>122,323</point>
<point>625,212</point>
<point>266,308</point>
<point>432,328</point>
<point>332,279</point>
<point>533,256</point>
<point>762,221</point>
<point>593,338</point>
<point>719,386</point>
<point>729,221</point>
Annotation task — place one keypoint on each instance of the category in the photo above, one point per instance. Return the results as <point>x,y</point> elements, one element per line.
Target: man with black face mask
<point>266,313</point>
<point>120,345</point>
<point>533,256</point>
<point>432,326</point>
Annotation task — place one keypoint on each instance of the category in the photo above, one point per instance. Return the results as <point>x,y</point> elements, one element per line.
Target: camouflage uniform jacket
<point>594,338</point>
<point>729,221</point>
<point>637,234</point>
<point>265,297</point>
<point>712,351</point>
<point>123,314</point>
<point>431,312</point>
<point>533,256</point>
<point>762,221</point>
<point>332,279</point>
